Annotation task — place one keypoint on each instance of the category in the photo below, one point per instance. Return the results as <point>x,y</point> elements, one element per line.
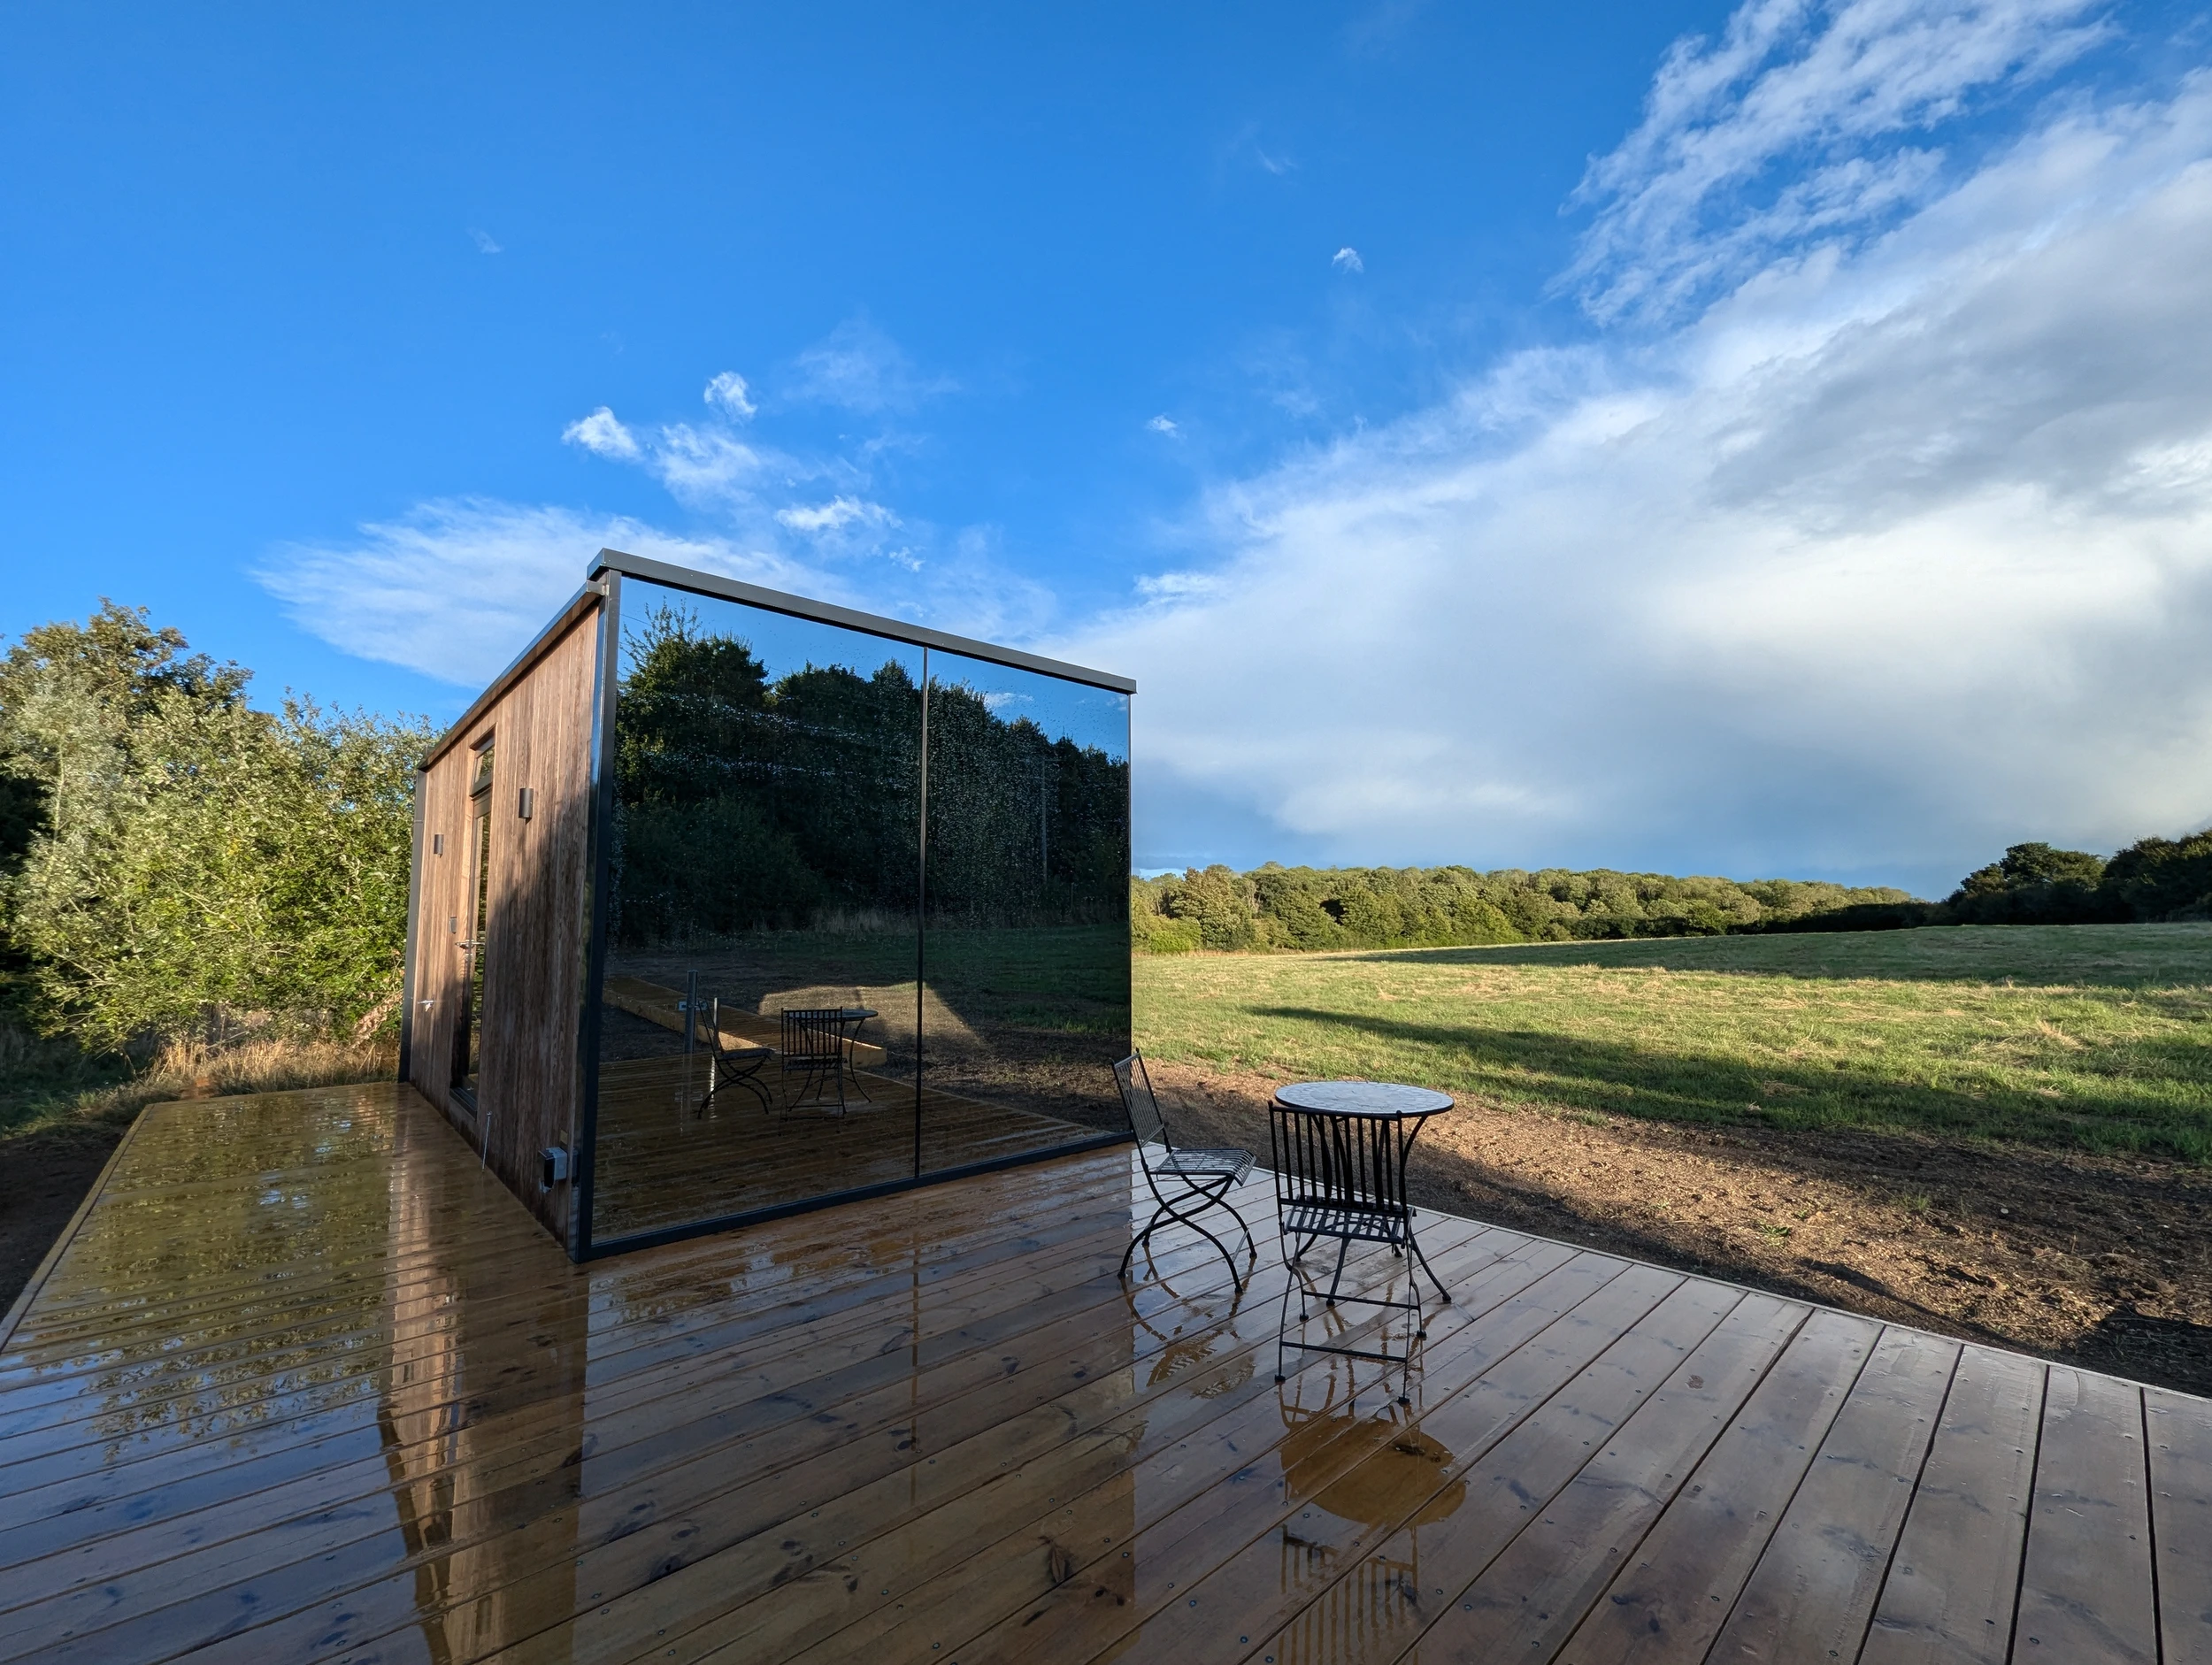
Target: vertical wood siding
<point>529,1080</point>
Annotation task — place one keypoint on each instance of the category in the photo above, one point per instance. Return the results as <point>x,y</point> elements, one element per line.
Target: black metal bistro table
<point>1339,1151</point>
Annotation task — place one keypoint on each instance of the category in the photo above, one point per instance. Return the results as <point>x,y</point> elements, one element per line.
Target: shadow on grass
<point>2117,956</point>
<point>1622,1081</point>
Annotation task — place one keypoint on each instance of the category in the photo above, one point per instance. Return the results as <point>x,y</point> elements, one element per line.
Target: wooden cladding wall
<point>529,1086</point>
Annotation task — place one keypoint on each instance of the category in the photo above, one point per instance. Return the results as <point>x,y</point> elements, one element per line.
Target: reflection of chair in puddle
<point>1193,1331</point>
<point>1195,1180</point>
<point>817,1053</point>
<point>1381,1471</point>
<point>1313,1306</point>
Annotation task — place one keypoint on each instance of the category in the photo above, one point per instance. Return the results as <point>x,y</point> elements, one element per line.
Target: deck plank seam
<point>2027,1515</point>
<point>1920,1471</point>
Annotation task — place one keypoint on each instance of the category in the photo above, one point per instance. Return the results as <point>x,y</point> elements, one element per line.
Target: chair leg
<point>1130,1253</point>
<point>1442,1294</point>
<point>1343,1248</point>
<point>1189,1218</point>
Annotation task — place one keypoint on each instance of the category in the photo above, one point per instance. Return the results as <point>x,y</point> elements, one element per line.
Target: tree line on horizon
<point>1307,909</point>
<point>175,863</point>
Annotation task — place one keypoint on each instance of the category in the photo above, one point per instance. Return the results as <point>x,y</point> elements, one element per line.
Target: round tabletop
<point>1362,1098</point>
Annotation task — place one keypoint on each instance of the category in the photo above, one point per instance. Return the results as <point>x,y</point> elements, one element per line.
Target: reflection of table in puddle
<point>660,1162</point>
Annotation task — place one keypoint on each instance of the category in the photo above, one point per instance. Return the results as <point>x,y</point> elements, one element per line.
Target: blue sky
<point>1772,439</point>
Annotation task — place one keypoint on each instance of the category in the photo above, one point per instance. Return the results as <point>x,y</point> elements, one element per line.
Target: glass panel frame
<point>756,964</point>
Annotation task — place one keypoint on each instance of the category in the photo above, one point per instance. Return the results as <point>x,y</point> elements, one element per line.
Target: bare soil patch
<point>2096,1261</point>
<point>44,1176</point>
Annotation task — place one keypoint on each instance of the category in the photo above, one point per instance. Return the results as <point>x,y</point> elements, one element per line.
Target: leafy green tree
<point>2161,879</point>
<point>194,861</point>
<point>2034,884</point>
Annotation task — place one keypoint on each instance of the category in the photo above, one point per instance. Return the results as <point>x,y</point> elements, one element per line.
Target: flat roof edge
<point>849,618</point>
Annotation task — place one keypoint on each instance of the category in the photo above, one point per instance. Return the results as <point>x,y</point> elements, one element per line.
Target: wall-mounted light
<point>524,803</point>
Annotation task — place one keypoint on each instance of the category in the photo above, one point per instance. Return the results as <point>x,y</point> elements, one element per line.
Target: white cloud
<point>603,435</point>
<point>1347,259</point>
<point>455,589</point>
<point>1165,424</point>
<point>729,393</point>
<point>836,514</point>
<point>857,367</point>
<point>484,241</point>
<point>1814,98</point>
<point>1899,551</point>
<point>706,466</point>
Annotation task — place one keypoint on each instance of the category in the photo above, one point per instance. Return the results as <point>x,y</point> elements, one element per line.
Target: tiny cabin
<point>728,903</point>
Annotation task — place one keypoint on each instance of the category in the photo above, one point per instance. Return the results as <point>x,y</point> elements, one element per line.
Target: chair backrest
<point>813,1033</point>
<point>1351,1162</point>
<point>1144,1120</point>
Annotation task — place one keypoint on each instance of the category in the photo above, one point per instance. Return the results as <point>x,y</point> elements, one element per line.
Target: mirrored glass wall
<point>867,916</point>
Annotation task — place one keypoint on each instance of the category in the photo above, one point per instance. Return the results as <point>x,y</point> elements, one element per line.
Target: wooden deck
<point>305,1384</point>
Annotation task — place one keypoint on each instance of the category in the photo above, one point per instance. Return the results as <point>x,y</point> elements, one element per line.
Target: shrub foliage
<point>175,862</point>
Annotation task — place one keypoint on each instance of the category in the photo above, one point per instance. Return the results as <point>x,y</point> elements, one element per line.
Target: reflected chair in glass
<point>814,1054</point>
<point>1344,1176</point>
<point>1184,1183</point>
<point>732,1062</point>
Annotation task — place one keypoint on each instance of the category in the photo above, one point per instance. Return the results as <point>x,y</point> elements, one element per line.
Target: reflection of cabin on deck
<point>690,793</point>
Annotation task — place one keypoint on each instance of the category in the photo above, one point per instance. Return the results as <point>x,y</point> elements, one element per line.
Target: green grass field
<point>2088,1037</point>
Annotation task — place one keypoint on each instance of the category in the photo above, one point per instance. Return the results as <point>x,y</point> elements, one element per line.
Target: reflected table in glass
<point>1338,1150</point>
<point>817,1047</point>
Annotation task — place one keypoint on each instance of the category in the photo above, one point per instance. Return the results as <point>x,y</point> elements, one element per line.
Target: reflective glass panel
<point>758,1013</point>
<point>1026,911</point>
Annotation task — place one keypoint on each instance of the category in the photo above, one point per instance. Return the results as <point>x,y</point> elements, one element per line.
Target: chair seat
<point>1203,1164</point>
<point>1335,1219</point>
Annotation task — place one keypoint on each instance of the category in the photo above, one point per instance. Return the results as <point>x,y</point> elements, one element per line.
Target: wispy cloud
<point>859,368</point>
<point>1897,550</point>
<point>454,589</point>
<point>484,241</point>
<point>729,393</point>
<point>1347,259</point>
<point>836,514</point>
<point>1166,424</point>
<point>1797,123</point>
<point>603,435</point>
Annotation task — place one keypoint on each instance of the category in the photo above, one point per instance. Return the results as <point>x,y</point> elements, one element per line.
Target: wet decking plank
<point>1679,1585</point>
<point>304,1383</point>
<point>1949,1597</point>
<point>2180,1453</point>
<point>2086,1588</point>
<point>1814,1591</point>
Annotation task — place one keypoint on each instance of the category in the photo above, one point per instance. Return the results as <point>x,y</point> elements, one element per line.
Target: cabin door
<point>468,1033</point>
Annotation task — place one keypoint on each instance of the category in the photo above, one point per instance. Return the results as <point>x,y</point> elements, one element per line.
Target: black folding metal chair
<point>1343,1176</point>
<point>813,1052</point>
<point>733,1062</point>
<point>1184,1183</point>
